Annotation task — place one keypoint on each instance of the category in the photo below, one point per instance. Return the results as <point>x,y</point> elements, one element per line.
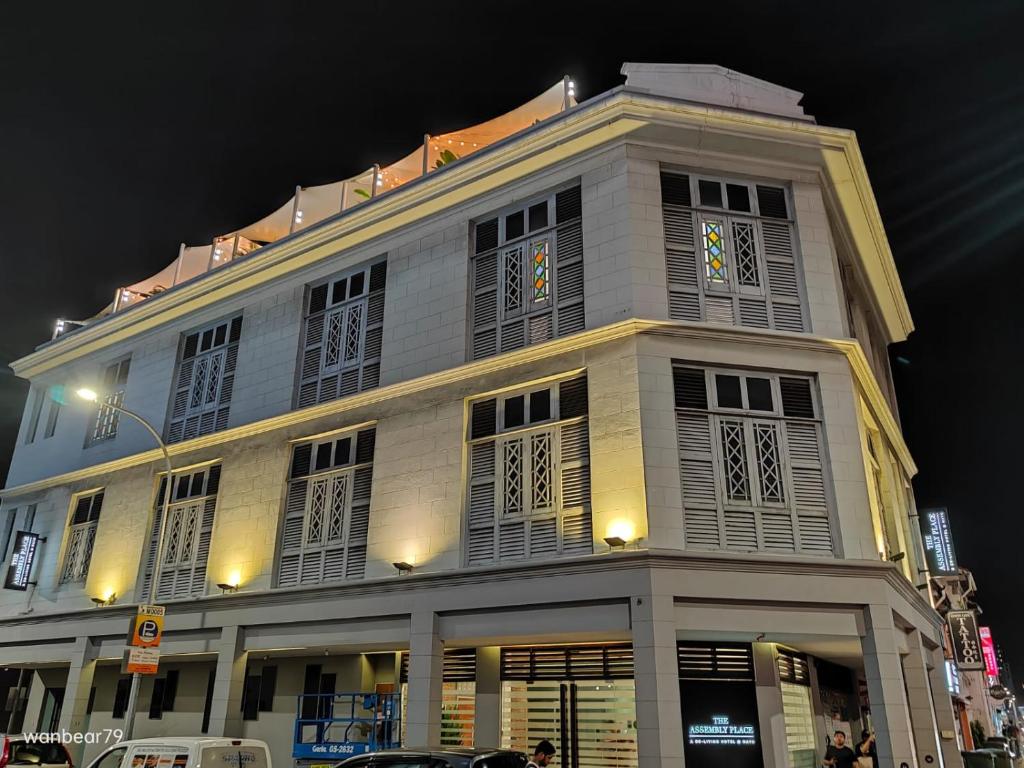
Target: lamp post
<point>90,395</point>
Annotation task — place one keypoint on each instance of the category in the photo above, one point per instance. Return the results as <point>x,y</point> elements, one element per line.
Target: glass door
<point>592,723</point>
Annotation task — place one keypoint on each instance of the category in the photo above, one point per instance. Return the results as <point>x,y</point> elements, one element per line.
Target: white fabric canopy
<point>311,205</point>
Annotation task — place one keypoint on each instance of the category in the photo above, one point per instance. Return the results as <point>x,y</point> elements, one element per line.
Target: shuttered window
<point>206,377</point>
<point>115,379</point>
<point>793,667</point>
<point>38,396</point>
<point>529,485</point>
<point>527,274</point>
<point>327,510</point>
<point>342,335</point>
<point>186,549</point>
<point>568,662</point>
<point>715,661</point>
<point>81,536</point>
<point>730,253</point>
<point>751,462</point>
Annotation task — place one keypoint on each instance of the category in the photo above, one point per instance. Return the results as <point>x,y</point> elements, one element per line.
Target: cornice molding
<point>662,559</point>
<point>593,124</point>
<point>511,360</point>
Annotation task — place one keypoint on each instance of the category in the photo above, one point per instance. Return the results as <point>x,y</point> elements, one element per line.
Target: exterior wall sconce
<point>225,588</point>
<point>897,557</point>
<point>615,541</point>
<point>403,567</point>
<point>104,601</point>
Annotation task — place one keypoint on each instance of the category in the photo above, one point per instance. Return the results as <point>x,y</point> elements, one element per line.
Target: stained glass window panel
<point>714,251</point>
<point>541,271</point>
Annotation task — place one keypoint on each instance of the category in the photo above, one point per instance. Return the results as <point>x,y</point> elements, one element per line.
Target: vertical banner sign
<point>24,555</point>
<point>988,651</point>
<point>963,632</point>
<point>938,542</point>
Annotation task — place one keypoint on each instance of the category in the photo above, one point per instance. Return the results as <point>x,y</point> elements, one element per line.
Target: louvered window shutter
<point>568,283</point>
<point>529,491</point>
<point>751,483</point>
<point>187,535</point>
<point>206,375</point>
<point>528,288</point>
<point>81,538</point>
<point>482,484</point>
<point>327,511</point>
<point>726,267</point>
<point>342,336</point>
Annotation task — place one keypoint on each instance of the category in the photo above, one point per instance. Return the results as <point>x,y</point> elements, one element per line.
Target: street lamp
<point>89,395</point>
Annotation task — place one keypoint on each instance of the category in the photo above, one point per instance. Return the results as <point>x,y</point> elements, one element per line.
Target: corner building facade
<point>615,388</point>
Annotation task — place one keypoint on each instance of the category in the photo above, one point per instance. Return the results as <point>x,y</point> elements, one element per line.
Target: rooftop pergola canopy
<point>311,205</point>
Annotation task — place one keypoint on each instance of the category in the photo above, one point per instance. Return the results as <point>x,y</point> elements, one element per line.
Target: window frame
<point>756,502</point>
<point>500,521</point>
<point>225,352</point>
<point>80,538</point>
<point>106,420</point>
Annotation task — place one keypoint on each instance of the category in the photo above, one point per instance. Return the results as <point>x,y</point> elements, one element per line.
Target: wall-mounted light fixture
<point>897,557</point>
<point>103,601</point>
<point>225,587</point>
<point>615,541</point>
<point>403,567</point>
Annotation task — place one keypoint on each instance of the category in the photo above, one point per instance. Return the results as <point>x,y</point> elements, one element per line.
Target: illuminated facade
<point>574,437</point>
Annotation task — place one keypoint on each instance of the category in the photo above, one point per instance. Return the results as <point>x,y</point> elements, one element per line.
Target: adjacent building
<point>576,425</point>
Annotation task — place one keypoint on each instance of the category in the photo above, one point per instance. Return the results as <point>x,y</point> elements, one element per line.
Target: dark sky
<point>126,128</point>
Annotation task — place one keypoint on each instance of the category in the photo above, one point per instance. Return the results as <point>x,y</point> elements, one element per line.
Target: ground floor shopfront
<point>634,659</point>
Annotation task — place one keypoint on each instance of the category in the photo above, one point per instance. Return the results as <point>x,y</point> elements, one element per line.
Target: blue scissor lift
<point>330,727</point>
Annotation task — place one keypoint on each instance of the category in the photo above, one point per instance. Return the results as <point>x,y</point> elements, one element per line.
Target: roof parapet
<point>714,85</point>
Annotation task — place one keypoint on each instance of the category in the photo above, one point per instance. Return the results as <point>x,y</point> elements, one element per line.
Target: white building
<point>660,315</point>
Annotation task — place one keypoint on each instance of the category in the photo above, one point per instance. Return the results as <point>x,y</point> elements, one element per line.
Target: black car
<point>438,757</point>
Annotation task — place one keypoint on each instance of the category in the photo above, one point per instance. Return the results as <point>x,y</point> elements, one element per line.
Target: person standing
<point>839,755</point>
<point>866,747</point>
<point>542,755</point>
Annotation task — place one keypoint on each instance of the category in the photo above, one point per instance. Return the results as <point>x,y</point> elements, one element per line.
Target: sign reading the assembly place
<point>720,723</point>
<point>721,731</point>
<point>963,632</point>
<point>25,546</point>
<point>938,542</point>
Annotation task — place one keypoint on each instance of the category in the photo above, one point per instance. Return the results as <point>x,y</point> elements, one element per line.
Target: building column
<point>73,717</point>
<point>919,701</point>
<point>34,705</point>
<point>228,683</point>
<point>487,728</point>
<point>945,717</point>
<point>656,679</point>
<point>426,667</point>
<point>771,720</point>
<point>884,674</point>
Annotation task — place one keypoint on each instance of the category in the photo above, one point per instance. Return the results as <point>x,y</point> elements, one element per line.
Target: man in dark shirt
<point>839,755</point>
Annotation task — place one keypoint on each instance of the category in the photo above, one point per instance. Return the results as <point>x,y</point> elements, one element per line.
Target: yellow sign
<point>144,661</point>
<point>147,627</point>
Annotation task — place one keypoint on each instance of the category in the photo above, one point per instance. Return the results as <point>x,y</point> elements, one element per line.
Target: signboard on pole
<point>26,545</point>
<point>938,542</point>
<point>144,661</point>
<point>988,652</point>
<point>963,633</point>
<point>147,627</point>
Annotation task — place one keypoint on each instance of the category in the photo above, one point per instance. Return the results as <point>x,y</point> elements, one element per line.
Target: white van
<point>185,752</point>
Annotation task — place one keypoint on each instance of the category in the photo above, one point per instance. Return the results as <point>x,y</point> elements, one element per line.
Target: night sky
<point>128,128</point>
